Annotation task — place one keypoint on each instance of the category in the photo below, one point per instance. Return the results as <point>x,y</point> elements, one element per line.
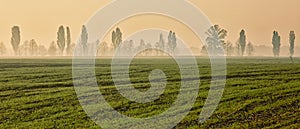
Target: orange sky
<point>39,19</point>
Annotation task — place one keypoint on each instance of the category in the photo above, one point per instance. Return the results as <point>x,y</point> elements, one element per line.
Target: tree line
<point>128,47</point>
<point>32,48</point>
<point>63,46</point>
<point>216,43</point>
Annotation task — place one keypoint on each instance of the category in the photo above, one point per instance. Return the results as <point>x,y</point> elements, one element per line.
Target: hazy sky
<point>40,19</point>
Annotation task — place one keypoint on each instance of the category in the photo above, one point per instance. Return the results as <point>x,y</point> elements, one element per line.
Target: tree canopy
<point>276,41</point>
<point>242,41</point>
<point>292,42</point>
<point>61,40</point>
<point>215,40</point>
<point>15,39</point>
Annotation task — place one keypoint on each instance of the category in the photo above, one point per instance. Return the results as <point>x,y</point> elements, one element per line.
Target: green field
<point>259,93</point>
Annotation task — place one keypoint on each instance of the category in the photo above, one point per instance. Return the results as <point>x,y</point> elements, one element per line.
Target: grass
<point>259,93</point>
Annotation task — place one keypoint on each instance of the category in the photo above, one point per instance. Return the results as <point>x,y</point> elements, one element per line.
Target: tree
<point>52,51</point>
<point>15,39</point>
<point>161,44</point>
<point>72,48</point>
<point>292,43</point>
<point>117,38</point>
<point>92,48</point>
<point>242,41</point>
<point>229,48</point>
<point>61,40</point>
<point>215,40</point>
<point>149,49</point>
<point>141,47</point>
<point>170,38</point>
<point>204,50</point>
<point>157,48</point>
<point>250,49</point>
<point>69,51</point>
<point>24,49</point>
<point>103,49</point>
<point>172,41</point>
<point>126,48</point>
<point>84,39</point>
<point>42,51</point>
<point>276,41</point>
<point>238,48</point>
<point>33,48</point>
<point>130,48</point>
<point>2,49</point>
<point>161,41</point>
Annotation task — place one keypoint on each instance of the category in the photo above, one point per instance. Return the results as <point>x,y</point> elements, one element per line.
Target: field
<point>259,93</point>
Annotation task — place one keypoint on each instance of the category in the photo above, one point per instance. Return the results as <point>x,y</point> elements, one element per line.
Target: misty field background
<point>260,93</point>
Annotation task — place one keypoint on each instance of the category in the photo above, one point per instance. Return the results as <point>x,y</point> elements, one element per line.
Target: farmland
<point>259,93</point>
